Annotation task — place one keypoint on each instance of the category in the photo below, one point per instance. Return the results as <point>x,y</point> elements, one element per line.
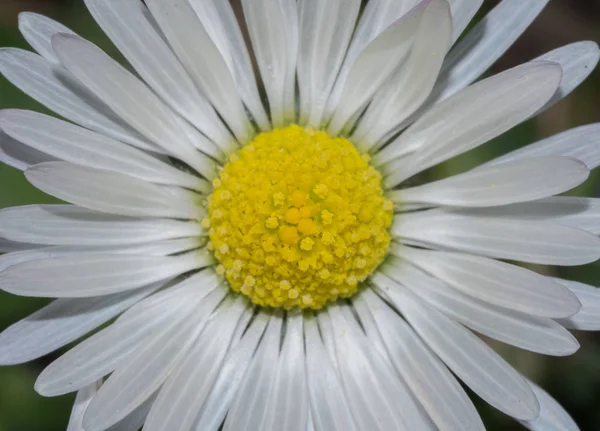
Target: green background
<point>574,381</point>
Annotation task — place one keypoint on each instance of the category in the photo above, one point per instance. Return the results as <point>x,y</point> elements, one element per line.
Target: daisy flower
<point>272,260</point>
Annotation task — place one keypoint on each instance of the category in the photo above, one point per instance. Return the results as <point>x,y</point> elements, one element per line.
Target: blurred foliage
<point>574,381</point>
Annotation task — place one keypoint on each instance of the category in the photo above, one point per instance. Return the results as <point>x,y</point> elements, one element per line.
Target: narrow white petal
<point>38,31</point>
<point>588,318</point>
<point>111,192</point>
<point>428,378</point>
<point>77,145</point>
<point>250,404</point>
<point>131,99</point>
<point>19,256</point>
<point>326,329</point>
<point>147,369</point>
<point>273,28</point>
<point>377,16</point>
<point>409,87</point>
<point>553,416</point>
<point>379,400</point>
<point>472,117</point>
<point>14,153</point>
<point>103,352</point>
<point>215,405</point>
<point>328,405</point>
<point>537,334</point>
<point>577,212</point>
<point>496,282</point>
<point>288,404</point>
<point>126,23</point>
<point>577,61</point>
<point>325,30</point>
<point>82,401</point>
<point>463,12</point>
<point>60,92</point>
<point>221,24</point>
<point>136,419</point>
<point>72,225</point>
<point>582,143</point>
<point>475,363</point>
<point>92,275</point>
<point>507,183</point>
<point>367,322</point>
<point>202,60</point>
<point>61,322</point>
<point>485,43</point>
<point>154,248</point>
<point>374,65</point>
<point>526,241</point>
<point>181,397</point>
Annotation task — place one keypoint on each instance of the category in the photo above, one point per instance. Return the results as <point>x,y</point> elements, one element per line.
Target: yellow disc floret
<point>298,218</point>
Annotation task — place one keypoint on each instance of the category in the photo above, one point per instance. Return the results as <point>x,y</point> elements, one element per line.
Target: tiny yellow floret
<point>297,219</point>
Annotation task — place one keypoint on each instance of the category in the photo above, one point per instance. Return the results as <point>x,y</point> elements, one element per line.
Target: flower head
<point>276,262</point>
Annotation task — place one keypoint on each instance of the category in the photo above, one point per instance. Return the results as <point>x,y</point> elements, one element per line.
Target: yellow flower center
<point>298,218</point>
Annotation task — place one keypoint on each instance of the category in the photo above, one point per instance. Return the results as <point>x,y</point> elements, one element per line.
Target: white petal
<point>588,318</point>
<point>100,354</point>
<point>377,398</point>
<point>377,16</point>
<point>582,143</point>
<point>92,275</point>
<point>369,326</point>
<point>126,23</point>
<point>134,420</point>
<point>145,371</point>
<point>220,22</point>
<point>181,397</point>
<point>537,334</point>
<point>328,336</point>
<point>325,30</point>
<point>476,364</point>
<point>471,118</point>
<point>62,322</point>
<point>111,192</point>
<point>373,66</point>
<point>77,145</point>
<point>202,60</point>
<point>288,404</point>
<point>131,100</point>
<point>577,61</point>
<point>408,88</point>
<point>463,12</point>
<point>526,241</point>
<point>155,248</point>
<point>328,405</point>
<point>38,31</point>
<point>507,183</point>
<point>496,282</point>
<point>71,225</point>
<point>428,378</point>
<point>82,401</point>
<point>273,28</point>
<point>19,156</point>
<point>216,403</point>
<point>485,43</point>
<point>553,416</point>
<point>250,403</point>
<point>581,213</point>
<point>60,92</point>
